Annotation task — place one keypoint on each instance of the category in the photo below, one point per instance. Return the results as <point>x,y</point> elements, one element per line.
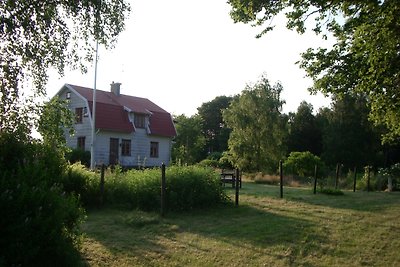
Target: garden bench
<point>229,176</point>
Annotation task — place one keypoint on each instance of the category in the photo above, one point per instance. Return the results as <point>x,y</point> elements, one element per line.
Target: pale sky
<point>182,53</point>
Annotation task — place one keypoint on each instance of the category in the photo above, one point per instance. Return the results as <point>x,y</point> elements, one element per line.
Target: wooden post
<point>163,185</point>
<point>337,176</point>
<point>315,179</point>
<point>281,178</point>
<point>102,184</point>
<point>390,183</point>
<point>368,177</point>
<point>237,187</point>
<point>355,179</point>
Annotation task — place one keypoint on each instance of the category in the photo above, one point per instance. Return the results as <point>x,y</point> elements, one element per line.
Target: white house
<point>131,131</point>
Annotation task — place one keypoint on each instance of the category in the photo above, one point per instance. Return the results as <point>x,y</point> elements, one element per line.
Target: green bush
<point>214,156</point>
<point>379,180</point>
<point>392,173</point>
<point>78,155</point>
<point>78,180</point>
<point>209,163</point>
<point>331,191</point>
<point>302,164</point>
<point>395,173</point>
<point>376,182</point>
<point>39,222</point>
<point>225,162</point>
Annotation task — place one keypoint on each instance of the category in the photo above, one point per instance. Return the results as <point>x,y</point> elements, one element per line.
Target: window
<point>85,113</point>
<point>126,147</point>
<point>68,95</point>
<point>81,143</point>
<point>78,115</point>
<point>154,149</point>
<point>139,120</point>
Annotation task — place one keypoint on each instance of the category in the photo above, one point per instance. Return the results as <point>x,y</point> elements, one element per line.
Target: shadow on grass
<point>359,200</point>
<point>297,230</point>
<point>145,235</point>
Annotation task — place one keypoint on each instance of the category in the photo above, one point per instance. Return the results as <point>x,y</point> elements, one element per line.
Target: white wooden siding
<point>81,129</point>
<point>140,148</point>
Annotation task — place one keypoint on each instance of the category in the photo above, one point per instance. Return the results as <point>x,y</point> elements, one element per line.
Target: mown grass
<point>302,229</point>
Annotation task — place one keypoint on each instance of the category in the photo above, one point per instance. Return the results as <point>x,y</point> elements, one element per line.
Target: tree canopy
<point>38,35</point>
<point>214,130</point>
<point>190,143</point>
<point>304,133</point>
<point>365,59</point>
<point>258,127</point>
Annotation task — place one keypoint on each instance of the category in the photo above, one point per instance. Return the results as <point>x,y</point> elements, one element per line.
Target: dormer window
<point>139,120</point>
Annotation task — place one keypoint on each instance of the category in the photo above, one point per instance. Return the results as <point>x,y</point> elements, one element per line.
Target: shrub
<point>376,182</point>
<point>39,225</point>
<point>395,174</point>
<point>225,161</point>
<point>209,163</point>
<point>331,191</point>
<point>302,164</point>
<point>78,180</point>
<point>78,155</point>
<point>214,156</point>
<point>392,173</point>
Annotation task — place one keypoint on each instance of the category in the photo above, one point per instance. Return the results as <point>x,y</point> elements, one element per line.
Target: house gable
<point>117,112</point>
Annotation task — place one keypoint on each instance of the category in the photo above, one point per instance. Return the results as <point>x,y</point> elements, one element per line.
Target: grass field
<point>302,229</point>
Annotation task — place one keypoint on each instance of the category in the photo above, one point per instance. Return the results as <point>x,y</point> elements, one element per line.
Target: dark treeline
<point>341,133</point>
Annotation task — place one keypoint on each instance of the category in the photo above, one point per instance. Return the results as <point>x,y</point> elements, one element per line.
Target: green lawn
<point>302,229</point>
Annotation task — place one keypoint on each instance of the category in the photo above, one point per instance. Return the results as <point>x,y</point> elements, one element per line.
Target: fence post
<point>163,189</point>
<point>368,177</point>
<point>237,187</point>
<point>315,179</point>
<point>281,178</point>
<point>102,184</point>
<point>355,179</point>
<point>337,175</point>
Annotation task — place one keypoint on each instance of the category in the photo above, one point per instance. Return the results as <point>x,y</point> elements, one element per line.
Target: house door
<point>114,151</point>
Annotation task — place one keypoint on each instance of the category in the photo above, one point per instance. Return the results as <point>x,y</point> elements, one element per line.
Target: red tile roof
<point>111,114</point>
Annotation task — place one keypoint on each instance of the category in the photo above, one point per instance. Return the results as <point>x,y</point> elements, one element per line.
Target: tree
<point>304,133</point>
<point>348,136</point>
<point>364,60</point>
<point>302,163</point>
<point>258,127</point>
<point>38,35</point>
<point>189,142</point>
<point>56,117</point>
<point>40,222</point>
<point>216,133</point>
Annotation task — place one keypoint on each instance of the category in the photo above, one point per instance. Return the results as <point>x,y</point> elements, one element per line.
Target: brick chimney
<point>115,88</point>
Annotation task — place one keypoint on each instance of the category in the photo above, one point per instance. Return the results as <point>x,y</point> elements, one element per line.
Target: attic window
<point>68,95</point>
<point>139,120</point>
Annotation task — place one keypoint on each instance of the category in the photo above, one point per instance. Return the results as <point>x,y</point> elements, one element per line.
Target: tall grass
<point>187,187</point>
